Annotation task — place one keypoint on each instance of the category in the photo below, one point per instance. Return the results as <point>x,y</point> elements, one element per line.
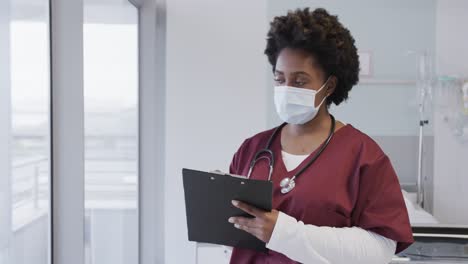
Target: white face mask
<point>297,105</point>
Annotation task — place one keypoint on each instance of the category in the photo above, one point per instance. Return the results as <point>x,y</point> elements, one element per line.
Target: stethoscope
<point>287,184</point>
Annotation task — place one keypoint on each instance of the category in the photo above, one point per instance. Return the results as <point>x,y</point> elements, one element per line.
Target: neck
<point>320,123</point>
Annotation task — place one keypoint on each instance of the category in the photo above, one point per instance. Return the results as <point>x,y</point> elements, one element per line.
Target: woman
<point>345,204</point>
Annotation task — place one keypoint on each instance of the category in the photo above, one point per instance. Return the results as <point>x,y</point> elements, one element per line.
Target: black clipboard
<point>208,206</point>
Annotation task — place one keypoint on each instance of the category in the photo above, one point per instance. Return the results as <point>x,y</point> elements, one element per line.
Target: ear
<point>331,85</point>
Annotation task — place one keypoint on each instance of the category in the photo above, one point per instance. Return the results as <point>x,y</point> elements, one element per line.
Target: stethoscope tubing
<point>271,155</point>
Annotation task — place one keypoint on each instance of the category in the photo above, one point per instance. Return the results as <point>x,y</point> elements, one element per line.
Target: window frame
<point>67,131</point>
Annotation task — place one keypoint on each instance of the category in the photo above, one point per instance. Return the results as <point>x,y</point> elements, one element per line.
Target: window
<point>111,132</point>
<point>25,132</point>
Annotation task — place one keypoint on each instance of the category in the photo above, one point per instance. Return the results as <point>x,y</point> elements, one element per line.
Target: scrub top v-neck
<point>352,183</point>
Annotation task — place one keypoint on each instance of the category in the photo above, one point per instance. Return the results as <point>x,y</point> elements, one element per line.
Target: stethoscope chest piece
<point>287,185</point>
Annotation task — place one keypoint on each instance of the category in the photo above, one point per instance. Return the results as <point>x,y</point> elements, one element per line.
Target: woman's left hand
<point>261,225</point>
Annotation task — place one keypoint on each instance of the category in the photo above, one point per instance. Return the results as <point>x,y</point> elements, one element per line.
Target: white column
<point>152,112</point>
<point>5,132</point>
<point>450,155</point>
<point>67,132</point>
<point>215,98</point>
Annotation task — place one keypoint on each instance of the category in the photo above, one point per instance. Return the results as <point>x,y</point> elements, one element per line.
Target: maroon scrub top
<point>352,183</point>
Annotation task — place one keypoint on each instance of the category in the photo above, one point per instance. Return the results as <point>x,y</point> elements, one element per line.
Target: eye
<point>300,83</point>
<point>279,80</point>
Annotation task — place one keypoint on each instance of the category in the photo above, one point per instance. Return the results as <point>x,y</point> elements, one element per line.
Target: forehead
<point>294,60</point>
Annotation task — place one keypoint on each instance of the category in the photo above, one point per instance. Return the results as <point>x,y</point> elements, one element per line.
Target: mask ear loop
<point>321,88</point>
<point>324,84</point>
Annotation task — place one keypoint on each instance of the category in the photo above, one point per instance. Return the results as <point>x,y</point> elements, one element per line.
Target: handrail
<point>20,164</point>
<point>35,163</point>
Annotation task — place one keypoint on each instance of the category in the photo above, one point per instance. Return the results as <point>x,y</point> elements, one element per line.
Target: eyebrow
<point>297,72</point>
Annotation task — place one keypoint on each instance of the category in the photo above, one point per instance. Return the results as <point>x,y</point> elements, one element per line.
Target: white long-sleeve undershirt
<point>327,245</point>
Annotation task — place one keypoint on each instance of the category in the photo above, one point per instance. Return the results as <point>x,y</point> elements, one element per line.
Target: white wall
<point>452,37</point>
<point>215,96</point>
<point>450,156</point>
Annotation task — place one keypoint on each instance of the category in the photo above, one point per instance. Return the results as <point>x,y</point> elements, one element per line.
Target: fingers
<point>257,226</point>
<point>248,225</point>
<point>251,210</point>
<point>244,221</point>
<point>252,226</point>
<point>252,230</point>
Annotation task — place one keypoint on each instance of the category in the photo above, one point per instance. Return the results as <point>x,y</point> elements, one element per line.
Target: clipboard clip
<point>228,174</point>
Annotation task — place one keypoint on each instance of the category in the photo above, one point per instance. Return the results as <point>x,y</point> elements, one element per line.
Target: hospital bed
<point>417,215</point>
<point>434,242</point>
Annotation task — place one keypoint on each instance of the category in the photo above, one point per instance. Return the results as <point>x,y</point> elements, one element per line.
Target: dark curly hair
<point>325,38</point>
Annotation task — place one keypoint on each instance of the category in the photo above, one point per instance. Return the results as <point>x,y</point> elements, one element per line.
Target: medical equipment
<point>287,184</point>
<point>465,97</point>
<point>425,81</point>
<point>448,96</point>
<point>451,102</point>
